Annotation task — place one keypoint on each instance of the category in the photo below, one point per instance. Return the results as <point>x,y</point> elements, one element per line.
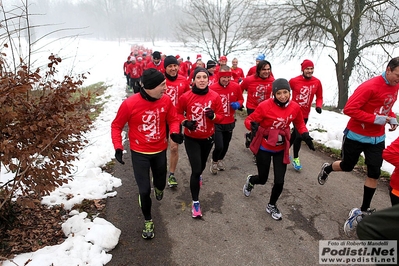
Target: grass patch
<point>94,108</point>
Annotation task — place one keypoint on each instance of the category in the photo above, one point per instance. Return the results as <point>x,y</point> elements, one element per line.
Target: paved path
<point>236,230</point>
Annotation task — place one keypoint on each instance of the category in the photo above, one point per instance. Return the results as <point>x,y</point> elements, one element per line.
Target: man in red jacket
<point>232,99</point>
<point>156,62</point>
<point>125,71</point>
<point>304,87</point>
<point>176,85</point>
<point>147,113</point>
<point>369,109</point>
<point>134,71</point>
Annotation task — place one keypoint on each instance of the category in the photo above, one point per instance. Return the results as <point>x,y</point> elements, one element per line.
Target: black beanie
<point>156,55</point>
<point>280,84</point>
<point>210,64</point>
<point>169,60</point>
<point>152,78</point>
<point>200,69</point>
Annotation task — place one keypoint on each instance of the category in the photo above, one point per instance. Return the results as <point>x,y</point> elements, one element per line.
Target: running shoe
<point>355,216</point>
<point>200,181</point>
<point>274,211</point>
<point>322,177</point>
<point>172,181</point>
<point>297,164</point>
<point>148,231</point>
<point>213,168</point>
<point>196,210</point>
<point>158,194</point>
<point>248,139</point>
<point>247,187</point>
<point>221,166</point>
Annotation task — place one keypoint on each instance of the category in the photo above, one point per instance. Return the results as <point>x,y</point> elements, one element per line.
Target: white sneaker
<point>221,166</point>
<point>274,211</point>
<point>247,187</point>
<point>213,168</point>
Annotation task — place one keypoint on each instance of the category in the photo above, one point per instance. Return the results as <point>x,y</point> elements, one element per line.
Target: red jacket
<point>391,155</point>
<point>251,71</point>
<point>125,65</point>
<point>238,74</point>
<point>158,67</point>
<point>147,123</point>
<point>134,70</point>
<point>257,89</point>
<point>176,88</point>
<point>213,79</point>
<point>303,92</point>
<point>271,116</point>
<point>189,66</point>
<point>230,93</point>
<point>373,97</point>
<point>183,71</point>
<point>191,107</point>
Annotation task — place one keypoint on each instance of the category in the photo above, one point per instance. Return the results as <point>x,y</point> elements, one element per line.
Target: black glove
<point>190,124</point>
<point>318,109</point>
<point>308,140</point>
<point>209,113</point>
<point>118,156</point>
<point>254,127</point>
<point>177,137</point>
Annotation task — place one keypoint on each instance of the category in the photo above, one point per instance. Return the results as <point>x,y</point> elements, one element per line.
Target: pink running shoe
<point>196,210</point>
<point>200,181</point>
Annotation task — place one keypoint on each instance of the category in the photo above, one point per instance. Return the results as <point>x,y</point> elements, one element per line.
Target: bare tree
<point>348,28</point>
<point>218,27</point>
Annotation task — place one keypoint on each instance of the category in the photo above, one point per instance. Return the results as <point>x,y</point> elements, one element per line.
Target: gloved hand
<point>308,140</point>
<point>118,156</point>
<point>254,127</point>
<point>190,124</point>
<point>177,137</point>
<point>318,109</point>
<point>235,105</point>
<point>209,113</point>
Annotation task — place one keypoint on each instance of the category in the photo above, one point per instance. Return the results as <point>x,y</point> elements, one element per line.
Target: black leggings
<point>142,164</point>
<point>223,135</point>
<point>263,160</point>
<point>197,151</point>
<point>296,140</point>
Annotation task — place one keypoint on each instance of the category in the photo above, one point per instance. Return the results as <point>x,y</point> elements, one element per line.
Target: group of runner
<point>204,99</point>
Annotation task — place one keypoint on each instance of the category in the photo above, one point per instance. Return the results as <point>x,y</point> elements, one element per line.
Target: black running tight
<point>142,164</point>
<point>197,151</point>
<point>263,161</point>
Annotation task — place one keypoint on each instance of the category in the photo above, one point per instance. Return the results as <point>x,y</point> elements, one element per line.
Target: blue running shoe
<point>355,216</point>
<point>297,164</point>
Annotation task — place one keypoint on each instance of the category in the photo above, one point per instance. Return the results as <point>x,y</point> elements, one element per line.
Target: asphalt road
<point>234,229</point>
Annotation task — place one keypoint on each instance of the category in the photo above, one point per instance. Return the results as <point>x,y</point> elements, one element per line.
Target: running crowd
<point>176,101</point>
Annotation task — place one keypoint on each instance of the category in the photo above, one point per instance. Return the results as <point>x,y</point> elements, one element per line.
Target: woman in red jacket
<point>270,126</point>
<point>199,109</point>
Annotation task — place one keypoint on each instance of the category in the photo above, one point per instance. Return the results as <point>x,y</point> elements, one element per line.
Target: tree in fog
<point>346,28</point>
<point>218,27</point>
